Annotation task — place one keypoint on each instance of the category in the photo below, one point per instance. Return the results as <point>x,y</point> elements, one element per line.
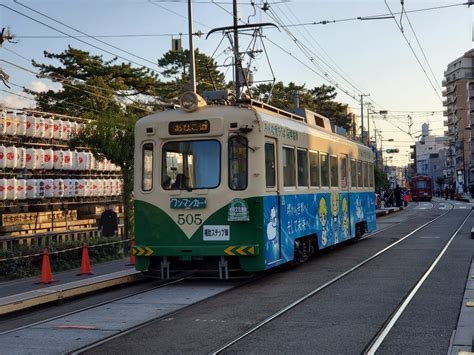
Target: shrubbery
<point>24,267</point>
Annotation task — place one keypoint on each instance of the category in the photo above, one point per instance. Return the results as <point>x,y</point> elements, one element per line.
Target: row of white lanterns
<point>36,158</point>
<point>31,189</point>
<point>30,125</point>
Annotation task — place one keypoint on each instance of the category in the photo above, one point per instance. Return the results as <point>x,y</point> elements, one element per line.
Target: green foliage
<point>91,84</point>
<point>381,179</point>
<point>31,266</point>
<point>320,99</point>
<point>111,136</point>
<point>175,65</point>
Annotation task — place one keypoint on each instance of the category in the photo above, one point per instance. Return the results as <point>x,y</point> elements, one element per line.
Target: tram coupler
<point>165,267</point>
<point>223,266</point>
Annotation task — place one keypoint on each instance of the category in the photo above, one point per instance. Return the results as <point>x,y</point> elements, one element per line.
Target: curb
<point>42,296</point>
<point>386,211</point>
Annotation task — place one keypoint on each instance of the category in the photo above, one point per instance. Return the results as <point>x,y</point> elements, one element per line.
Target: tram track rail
<point>388,325</point>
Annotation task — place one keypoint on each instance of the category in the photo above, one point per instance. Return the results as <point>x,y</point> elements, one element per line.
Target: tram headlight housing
<point>190,101</point>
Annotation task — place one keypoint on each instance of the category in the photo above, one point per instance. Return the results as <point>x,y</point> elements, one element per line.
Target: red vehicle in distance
<point>421,188</point>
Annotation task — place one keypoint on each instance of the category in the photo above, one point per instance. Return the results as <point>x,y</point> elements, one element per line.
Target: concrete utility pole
<point>192,62</point>
<point>237,68</point>
<point>362,116</point>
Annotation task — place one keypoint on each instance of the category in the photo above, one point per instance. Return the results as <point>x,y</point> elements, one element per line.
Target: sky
<point>370,57</point>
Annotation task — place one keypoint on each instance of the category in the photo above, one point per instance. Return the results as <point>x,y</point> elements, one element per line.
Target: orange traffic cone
<point>46,276</point>
<point>86,263</point>
<point>132,257</point>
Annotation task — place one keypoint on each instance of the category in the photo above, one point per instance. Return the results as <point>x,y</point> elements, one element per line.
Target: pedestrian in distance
<point>108,224</point>
<point>398,196</point>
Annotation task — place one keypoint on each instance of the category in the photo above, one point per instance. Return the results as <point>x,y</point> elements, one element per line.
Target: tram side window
<point>371,175</point>
<point>365,176</point>
<point>289,170</point>
<point>359,173</point>
<point>324,170</point>
<point>334,171</point>
<point>353,173</point>
<point>270,164</point>
<point>302,160</point>
<point>314,168</point>
<point>344,171</point>
<point>238,162</point>
<point>147,167</point>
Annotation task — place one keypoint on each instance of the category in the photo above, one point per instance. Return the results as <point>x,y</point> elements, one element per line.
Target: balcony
<point>444,82</point>
<point>471,93</point>
<point>444,92</point>
<point>445,113</point>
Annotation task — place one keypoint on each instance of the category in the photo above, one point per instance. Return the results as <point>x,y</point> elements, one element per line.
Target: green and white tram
<point>247,184</point>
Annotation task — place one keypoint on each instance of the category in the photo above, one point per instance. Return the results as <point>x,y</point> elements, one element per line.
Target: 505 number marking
<point>189,219</point>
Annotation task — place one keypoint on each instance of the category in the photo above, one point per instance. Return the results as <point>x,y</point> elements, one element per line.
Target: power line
<point>413,51</point>
<point>176,13</point>
<point>76,38</point>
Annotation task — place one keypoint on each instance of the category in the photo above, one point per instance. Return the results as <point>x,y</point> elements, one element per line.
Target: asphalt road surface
<point>345,316</point>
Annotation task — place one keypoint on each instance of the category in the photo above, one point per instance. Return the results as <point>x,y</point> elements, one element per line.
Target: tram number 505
<point>189,219</point>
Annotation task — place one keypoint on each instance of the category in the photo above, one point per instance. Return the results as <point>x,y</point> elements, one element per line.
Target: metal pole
<point>236,51</point>
<point>368,126</point>
<point>192,64</point>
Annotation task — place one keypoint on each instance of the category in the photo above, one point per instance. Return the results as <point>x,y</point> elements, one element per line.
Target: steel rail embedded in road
<point>90,307</point>
<point>382,334</point>
<point>322,287</point>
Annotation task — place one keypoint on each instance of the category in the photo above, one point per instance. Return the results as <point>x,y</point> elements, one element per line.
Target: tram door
<point>271,204</point>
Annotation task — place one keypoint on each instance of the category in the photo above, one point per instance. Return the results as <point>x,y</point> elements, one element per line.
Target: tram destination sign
<point>189,127</point>
<point>188,203</point>
<point>276,130</point>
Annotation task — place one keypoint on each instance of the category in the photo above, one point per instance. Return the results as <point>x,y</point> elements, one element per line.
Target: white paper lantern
<point>39,127</point>
<point>11,123</point>
<point>74,165</point>
<point>21,124</point>
<point>68,188</point>
<point>48,159</point>
<point>39,158</point>
<point>31,159</point>
<point>81,187</point>
<point>21,158</point>
<point>67,160</point>
<point>31,189</point>
<point>39,188</point>
<point>58,188</point>
<point>11,189</point>
<point>21,189</point>
<point>48,127</point>
<point>3,157</point>
<point>65,131</point>
<point>48,188</point>
<point>3,189</point>
<point>11,157</point>
<point>30,125</point>
<point>3,122</point>
<point>57,129</point>
<point>58,159</point>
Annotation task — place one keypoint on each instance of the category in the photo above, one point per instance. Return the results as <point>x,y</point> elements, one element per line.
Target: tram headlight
<point>190,101</point>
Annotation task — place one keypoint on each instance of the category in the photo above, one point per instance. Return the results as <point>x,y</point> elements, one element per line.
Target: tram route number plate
<point>188,203</point>
<point>216,233</point>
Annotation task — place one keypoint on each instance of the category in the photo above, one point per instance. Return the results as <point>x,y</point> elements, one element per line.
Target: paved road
<point>344,317</point>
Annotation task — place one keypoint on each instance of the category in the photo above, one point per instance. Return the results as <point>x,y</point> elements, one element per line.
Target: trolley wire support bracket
<point>223,266</point>
<point>165,267</point>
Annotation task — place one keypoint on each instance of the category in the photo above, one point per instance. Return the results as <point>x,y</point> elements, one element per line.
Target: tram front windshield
<point>421,184</point>
<point>188,165</point>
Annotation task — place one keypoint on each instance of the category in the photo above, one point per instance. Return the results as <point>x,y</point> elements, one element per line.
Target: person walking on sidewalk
<point>108,224</point>
<point>398,196</point>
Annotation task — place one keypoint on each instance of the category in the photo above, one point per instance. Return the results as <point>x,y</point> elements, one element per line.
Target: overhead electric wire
<point>78,39</point>
<point>422,51</point>
<point>414,53</point>
<point>176,13</point>
<point>85,34</point>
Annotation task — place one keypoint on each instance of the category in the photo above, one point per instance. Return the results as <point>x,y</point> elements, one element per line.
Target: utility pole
<point>362,116</point>
<point>192,64</point>
<point>236,51</point>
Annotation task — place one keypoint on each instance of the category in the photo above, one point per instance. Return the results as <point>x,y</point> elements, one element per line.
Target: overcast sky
<point>369,56</point>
